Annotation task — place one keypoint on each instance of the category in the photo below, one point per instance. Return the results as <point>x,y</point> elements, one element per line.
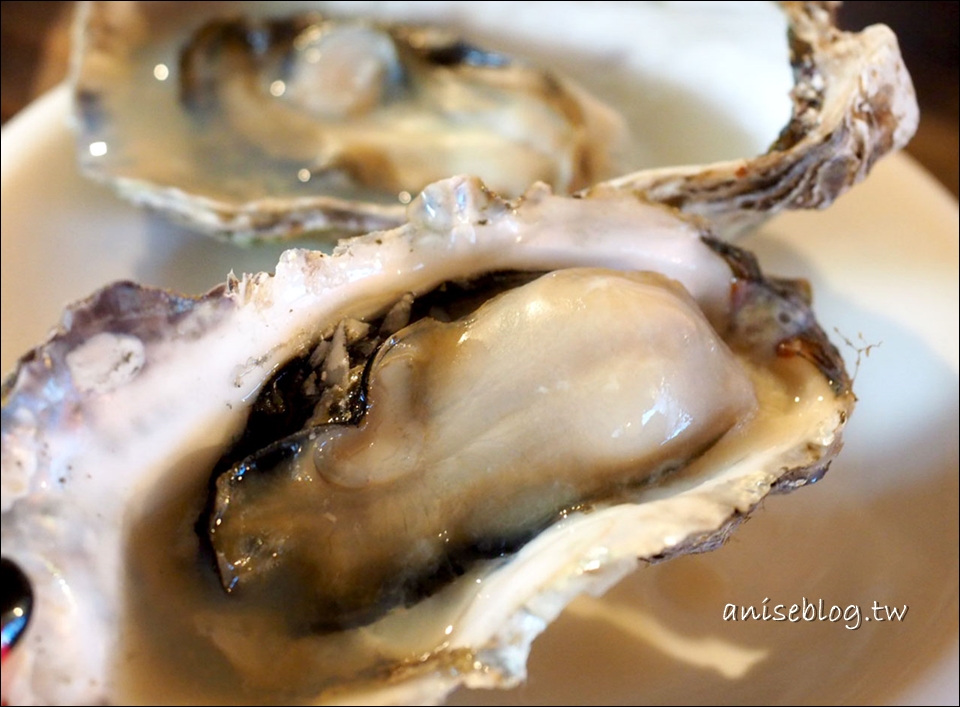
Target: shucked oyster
<point>295,124</point>
<point>280,124</point>
<point>402,460</point>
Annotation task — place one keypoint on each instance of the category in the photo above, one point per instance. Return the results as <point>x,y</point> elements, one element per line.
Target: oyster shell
<point>102,455</point>
<point>852,103</point>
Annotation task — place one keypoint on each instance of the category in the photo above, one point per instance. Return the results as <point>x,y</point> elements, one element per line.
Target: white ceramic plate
<point>881,527</point>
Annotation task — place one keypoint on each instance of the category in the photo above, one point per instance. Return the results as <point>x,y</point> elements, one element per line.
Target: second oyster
<point>272,140</point>
<point>270,126</point>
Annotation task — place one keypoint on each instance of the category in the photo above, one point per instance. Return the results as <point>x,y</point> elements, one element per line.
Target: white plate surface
<point>881,527</point>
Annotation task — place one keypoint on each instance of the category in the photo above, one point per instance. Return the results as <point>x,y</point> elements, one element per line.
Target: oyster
<point>251,154</point>
<point>281,124</point>
<point>115,428</point>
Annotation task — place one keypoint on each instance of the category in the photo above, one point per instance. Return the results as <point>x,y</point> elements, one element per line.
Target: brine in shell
<point>264,120</point>
<point>377,475</point>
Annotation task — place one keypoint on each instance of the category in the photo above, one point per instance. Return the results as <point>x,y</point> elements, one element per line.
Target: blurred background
<point>36,43</point>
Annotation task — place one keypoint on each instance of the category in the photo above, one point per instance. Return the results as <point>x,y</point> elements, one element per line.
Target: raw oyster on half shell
<point>220,122</point>
<point>273,125</point>
<point>402,460</point>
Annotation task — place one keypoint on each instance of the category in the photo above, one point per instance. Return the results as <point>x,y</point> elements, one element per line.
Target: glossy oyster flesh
<point>466,478</point>
<point>501,440</point>
<point>251,151</point>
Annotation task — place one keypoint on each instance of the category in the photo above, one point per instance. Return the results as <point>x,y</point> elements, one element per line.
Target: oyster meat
<point>400,461</point>
<point>360,110</point>
<point>233,124</point>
